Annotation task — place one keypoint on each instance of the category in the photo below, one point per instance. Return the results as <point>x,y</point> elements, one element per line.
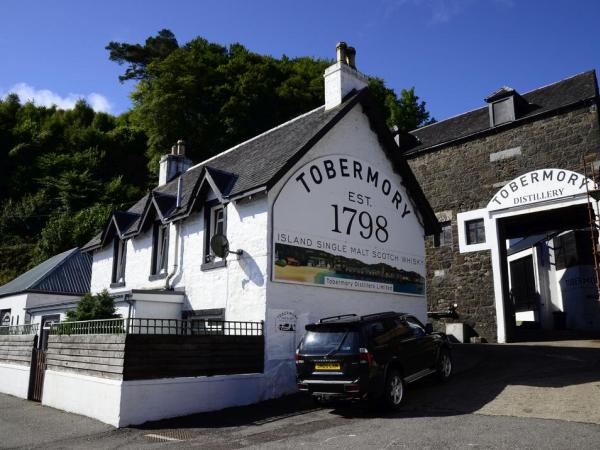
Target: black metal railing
<point>159,326</point>
<point>30,328</point>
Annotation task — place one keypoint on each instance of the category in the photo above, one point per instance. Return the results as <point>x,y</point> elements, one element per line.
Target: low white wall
<point>147,400</point>
<point>14,379</point>
<point>98,398</point>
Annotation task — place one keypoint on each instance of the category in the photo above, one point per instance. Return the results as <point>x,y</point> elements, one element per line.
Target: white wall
<point>147,400</point>
<point>14,379</point>
<point>99,398</point>
<point>16,304</point>
<point>352,136</point>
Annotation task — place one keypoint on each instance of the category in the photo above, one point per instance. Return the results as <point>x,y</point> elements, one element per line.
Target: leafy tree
<point>61,173</point>
<point>215,96</point>
<point>93,307</point>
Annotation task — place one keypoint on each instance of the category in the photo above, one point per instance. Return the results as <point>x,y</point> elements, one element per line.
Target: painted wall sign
<point>342,223</point>
<point>538,186</point>
<point>286,321</point>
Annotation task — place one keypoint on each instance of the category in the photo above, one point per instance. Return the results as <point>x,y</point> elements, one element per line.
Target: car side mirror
<point>428,328</point>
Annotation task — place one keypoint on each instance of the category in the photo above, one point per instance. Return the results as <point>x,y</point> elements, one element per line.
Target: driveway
<point>501,396</point>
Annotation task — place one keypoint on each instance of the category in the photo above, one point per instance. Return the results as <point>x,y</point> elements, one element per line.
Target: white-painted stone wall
<point>243,287</point>
<point>14,379</point>
<point>352,136</point>
<point>18,304</point>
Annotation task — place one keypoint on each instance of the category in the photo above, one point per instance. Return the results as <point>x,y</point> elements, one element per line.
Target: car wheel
<point>394,390</point>
<point>444,365</point>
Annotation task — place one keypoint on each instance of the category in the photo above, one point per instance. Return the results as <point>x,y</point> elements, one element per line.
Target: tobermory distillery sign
<point>539,186</point>
<point>341,222</point>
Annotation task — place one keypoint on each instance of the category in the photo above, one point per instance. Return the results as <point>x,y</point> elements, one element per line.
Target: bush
<point>93,307</point>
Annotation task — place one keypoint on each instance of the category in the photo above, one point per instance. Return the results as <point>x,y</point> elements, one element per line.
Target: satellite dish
<point>220,245</point>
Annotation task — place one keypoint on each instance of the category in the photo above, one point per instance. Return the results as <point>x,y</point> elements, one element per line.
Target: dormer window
<point>504,106</point>
<point>160,248</point>
<point>215,223</point>
<point>119,260</point>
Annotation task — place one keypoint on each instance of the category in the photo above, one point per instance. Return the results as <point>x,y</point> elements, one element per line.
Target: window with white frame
<point>216,222</point>
<point>119,260</point>
<point>160,248</point>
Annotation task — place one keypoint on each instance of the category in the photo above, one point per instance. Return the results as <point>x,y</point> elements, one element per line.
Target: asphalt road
<point>500,397</point>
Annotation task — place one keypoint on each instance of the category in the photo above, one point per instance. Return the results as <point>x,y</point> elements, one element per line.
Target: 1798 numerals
<point>368,226</point>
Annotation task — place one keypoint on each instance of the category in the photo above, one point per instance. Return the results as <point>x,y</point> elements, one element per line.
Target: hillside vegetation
<point>63,172</point>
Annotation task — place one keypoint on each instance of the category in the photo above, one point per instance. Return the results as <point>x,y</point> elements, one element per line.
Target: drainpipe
<point>130,302</point>
<point>168,285</point>
<point>177,230</point>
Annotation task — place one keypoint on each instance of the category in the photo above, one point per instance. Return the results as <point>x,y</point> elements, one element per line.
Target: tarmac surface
<point>501,396</point>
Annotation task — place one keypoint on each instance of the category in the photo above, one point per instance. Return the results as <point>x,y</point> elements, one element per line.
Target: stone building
<point>471,168</point>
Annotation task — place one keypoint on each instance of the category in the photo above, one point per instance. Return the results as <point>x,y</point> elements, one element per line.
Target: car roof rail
<point>380,314</point>
<point>341,316</point>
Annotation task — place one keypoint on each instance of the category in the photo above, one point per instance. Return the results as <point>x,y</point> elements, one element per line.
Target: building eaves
<point>547,100</point>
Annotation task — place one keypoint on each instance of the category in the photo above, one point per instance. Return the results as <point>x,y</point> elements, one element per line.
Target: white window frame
<point>462,219</point>
<point>160,254</point>
<point>212,229</point>
<point>120,255</point>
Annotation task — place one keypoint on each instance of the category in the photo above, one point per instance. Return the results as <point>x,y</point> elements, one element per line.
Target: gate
<point>36,380</point>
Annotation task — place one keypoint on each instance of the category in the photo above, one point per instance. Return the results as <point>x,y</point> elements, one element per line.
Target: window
<point>119,257</point>
<point>573,249</point>
<point>215,224</point>
<point>160,249</point>
<point>5,317</point>
<point>475,230</point>
<point>444,239</point>
<point>416,328</point>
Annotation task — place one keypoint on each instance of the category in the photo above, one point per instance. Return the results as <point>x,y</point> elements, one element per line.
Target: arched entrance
<point>537,228</point>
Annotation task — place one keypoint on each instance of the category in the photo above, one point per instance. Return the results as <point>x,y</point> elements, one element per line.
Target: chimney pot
<point>181,147</point>
<point>340,50</point>
<point>174,150</point>
<point>351,57</point>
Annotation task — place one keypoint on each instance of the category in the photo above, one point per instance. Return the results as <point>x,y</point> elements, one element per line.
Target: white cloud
<point>45,97</point>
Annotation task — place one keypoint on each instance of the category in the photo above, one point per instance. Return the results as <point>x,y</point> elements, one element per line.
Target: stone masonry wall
<point>462,177</point>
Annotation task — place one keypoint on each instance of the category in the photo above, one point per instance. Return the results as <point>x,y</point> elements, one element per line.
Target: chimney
<point>342,77</point>
<point>173,164</point>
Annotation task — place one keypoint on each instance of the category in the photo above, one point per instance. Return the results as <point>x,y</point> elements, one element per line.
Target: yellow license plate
<point>327,366</point>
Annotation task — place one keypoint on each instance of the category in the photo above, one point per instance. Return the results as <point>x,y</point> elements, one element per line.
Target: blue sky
<point>455,52</point>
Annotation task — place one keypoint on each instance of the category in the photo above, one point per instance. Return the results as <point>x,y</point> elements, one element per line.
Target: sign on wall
<point>538,186</point>
<point>342,223</point>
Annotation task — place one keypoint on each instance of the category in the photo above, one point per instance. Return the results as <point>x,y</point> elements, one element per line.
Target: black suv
<point>369,357</point>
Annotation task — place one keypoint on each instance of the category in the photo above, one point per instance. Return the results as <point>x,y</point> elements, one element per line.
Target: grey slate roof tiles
<point>258,161</point>
<point>546,99</point>
<point>67,273</point>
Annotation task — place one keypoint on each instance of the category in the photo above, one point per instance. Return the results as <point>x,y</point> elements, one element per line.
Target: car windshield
<point>330,341</point>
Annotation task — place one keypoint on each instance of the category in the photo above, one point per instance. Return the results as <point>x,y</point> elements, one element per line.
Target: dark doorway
<point>547,274</point>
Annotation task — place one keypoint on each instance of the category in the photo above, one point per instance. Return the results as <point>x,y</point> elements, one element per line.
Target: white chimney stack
<point>342,77</point>
<point>173,164</point>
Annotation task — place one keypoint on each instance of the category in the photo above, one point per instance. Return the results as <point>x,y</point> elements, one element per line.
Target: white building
<point>323,217</point>
<point>47,291</point>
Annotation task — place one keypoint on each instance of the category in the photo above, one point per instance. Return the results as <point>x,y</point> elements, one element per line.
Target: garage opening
<point>548,276</point>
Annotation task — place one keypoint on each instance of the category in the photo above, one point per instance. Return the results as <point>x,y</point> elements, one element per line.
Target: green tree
<point>215,96</point>
<point>93,307</point>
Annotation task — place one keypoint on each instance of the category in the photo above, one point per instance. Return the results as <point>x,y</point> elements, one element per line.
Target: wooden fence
<point>99,355</point>
<point>160,356</point>
<point>138,356</point>
<point>16,349</point>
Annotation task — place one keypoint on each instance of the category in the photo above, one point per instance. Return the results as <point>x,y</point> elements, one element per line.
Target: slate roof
<point>264,159</point>
<point>67,273</point>
<point>545,100</point>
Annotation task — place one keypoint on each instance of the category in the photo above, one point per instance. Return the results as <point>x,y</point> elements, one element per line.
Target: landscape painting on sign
<point>305,265</point>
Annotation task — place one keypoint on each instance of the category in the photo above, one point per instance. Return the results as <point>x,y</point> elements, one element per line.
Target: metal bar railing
<point>159,326</point>
<point>30,328</point>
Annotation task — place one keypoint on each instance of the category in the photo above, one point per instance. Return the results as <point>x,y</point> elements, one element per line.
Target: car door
<point>408,348</point>
<point>425,343</point>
